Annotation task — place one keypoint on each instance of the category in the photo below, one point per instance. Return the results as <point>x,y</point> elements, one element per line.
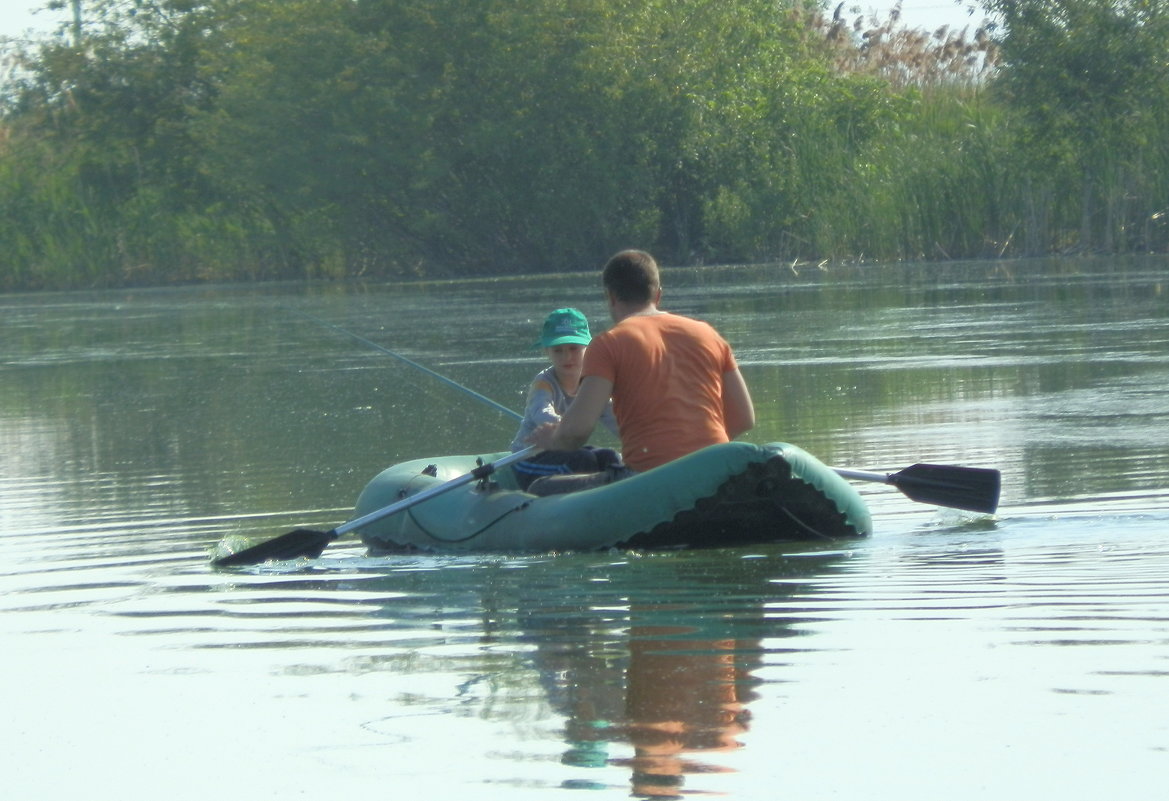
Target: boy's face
<point>567,359</point>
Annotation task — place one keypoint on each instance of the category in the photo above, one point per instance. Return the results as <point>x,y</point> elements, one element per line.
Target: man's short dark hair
<point>632,276</point>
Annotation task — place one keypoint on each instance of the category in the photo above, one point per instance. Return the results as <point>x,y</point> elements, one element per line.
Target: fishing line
<point>498,406</point>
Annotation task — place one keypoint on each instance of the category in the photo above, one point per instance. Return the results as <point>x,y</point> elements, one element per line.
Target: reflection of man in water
<point>675,698</point>
<point>682,696</point>
<point>673,679</point>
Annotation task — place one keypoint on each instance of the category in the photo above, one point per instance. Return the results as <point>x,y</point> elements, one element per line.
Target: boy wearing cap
<point>564,337</point>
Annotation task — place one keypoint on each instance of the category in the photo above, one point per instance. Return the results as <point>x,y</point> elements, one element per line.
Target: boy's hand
<point>544,436</point>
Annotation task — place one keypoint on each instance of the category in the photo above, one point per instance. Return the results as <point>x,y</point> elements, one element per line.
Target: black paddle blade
<point>304,542</point>
<point>975,489</point>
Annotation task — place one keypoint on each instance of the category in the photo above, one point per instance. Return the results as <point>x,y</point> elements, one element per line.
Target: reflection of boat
<point>725,495</point>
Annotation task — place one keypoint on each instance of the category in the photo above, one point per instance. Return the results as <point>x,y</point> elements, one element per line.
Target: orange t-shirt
<point>667,373</point>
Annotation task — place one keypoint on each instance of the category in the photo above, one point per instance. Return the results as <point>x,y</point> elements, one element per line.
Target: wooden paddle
<point>307,543</point>
<point>975,489</point>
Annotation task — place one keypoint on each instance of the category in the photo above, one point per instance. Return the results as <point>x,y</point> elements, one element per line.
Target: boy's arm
<point>578,420</point>
<point>540,408</point>
<point>541,405</point>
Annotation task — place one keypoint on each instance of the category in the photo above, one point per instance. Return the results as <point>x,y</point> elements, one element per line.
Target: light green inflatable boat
<point>723,496</point>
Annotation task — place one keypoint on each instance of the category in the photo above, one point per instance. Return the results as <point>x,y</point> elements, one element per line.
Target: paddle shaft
<point>480,472</point>
<point>308,543</point>
<point>862,475</point>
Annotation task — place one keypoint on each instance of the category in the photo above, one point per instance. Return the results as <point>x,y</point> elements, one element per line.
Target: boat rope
<point>472,535</point>
<point>802,524</point>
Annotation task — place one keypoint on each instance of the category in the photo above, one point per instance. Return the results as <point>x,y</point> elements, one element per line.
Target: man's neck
<point>619,311</point>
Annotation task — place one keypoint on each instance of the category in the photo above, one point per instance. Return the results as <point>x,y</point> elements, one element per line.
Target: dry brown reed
<point>905,56</point>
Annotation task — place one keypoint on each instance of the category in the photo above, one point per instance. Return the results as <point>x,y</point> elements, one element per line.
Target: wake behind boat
<point>724,495</point>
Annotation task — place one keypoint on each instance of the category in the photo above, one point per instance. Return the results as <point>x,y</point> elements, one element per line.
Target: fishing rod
<point>449,382</point>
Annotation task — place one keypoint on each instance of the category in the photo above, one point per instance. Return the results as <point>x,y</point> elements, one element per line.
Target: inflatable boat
<point>725,495</point>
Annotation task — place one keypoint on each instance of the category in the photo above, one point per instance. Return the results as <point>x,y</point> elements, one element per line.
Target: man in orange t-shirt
<point>674,381</point>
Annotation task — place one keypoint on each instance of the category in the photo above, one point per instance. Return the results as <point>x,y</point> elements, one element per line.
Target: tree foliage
<point>1089,81</point>
<point>178,140</point>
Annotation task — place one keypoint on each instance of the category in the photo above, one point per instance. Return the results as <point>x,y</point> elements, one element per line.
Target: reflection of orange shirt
<point>667,373</point>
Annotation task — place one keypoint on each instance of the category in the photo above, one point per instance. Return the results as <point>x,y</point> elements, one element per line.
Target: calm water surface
<point>951,655</point>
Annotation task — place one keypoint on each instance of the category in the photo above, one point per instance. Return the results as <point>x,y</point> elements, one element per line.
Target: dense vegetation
<point>165,141</point>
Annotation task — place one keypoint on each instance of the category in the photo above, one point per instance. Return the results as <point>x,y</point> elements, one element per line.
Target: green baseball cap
<point>564,327</point>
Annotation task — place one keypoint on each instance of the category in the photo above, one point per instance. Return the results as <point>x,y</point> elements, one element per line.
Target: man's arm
<point>578,421</point>
<point>738,410</point>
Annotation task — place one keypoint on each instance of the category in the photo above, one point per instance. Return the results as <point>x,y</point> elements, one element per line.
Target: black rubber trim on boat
<point>765,496</point>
